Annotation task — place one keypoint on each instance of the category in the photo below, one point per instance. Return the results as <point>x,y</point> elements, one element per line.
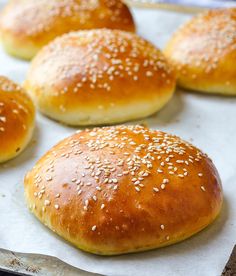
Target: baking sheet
<point>207,121</point>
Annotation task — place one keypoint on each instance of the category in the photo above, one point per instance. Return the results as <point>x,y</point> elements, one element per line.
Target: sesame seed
<point>47,202</point>
<point>94,198</point>
<point>3,119</point>
<point>48,178</point>
<point>155,189</point>
<point>163,186</point>
<point>94,228</point>
<point>149,74</point>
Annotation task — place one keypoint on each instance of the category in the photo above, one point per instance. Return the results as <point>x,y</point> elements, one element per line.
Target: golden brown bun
<point>99,77</point>
<point>204,52</point>
<point>17,115</point>
<point>116,190</point>
<point>27,25</point>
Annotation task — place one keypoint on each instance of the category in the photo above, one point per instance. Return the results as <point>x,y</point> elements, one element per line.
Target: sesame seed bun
<point>99,77</point>
<point>27,25</point>
<point>17,116</point>
<point>204,52</point>
<point>116,190</point>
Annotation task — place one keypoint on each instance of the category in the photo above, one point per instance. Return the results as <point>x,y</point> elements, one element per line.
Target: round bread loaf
<point>123,189</point>
<point>204,52</point>
<point>99,77</point>
<point>27,25</point>
<point>17,117</point>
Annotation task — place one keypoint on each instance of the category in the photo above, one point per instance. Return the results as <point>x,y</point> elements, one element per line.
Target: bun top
<point>206,41</point>
<point>42,20</point>
<point>34,18</point>
<point>122,189</point>
<point>93,66</point>
<point>203,52</point>
<point>16,119</point>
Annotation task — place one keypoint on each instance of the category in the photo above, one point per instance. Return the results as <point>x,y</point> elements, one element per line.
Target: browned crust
<point>96,72</point>
<point>204,52</point>
<point>17,116</point>
<point>27,25</point>
<point>100,190</point>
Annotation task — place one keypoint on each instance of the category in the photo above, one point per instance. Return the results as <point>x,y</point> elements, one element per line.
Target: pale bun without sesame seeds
<point>203,52</point>
<point>27,25</point>
<point>124,189</point>
<point>17,119</point>
<point>99,77</point>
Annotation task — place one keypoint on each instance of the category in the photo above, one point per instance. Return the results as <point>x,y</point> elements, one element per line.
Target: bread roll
<point>99,77</point>
<point>27,25</point>
<point>204,52</point>
<point>116,190</point>
<point>17,117</point>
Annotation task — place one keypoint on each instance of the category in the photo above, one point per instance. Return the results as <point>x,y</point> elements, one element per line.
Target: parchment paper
<point>207,121</point>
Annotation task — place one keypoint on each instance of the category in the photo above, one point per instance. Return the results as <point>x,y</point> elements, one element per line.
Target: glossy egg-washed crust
<point>122,189</point>
<point>99,77</point>
<point>17,115</point>
<point>27,25</point>
<point>204,52</point>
